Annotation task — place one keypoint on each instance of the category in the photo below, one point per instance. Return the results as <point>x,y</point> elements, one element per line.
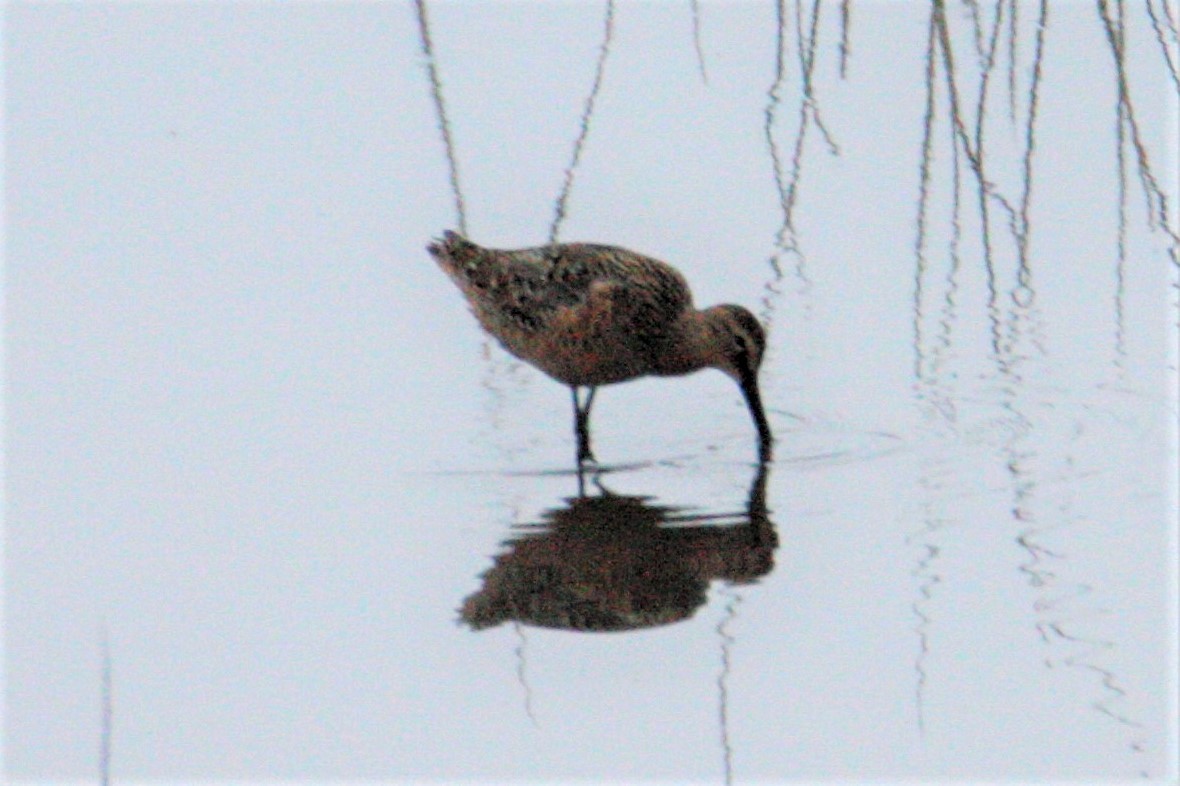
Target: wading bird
<point>590,315</point>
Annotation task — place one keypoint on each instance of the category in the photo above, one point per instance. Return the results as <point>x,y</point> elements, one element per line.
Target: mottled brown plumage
<point>590,315</point>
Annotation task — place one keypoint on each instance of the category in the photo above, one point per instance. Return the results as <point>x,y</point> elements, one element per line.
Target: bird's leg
<point>582,424</point>
<point>581,480</point>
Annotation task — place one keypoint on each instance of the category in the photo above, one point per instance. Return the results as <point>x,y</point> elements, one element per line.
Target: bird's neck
<point>695,347</point>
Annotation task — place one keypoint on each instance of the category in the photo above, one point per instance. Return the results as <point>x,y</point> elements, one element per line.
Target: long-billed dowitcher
<point>590,315</point>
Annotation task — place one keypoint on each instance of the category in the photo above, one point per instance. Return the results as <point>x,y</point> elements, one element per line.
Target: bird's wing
<point>642,292</point>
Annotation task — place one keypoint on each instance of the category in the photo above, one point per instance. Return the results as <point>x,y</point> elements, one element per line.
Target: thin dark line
<point>1013,57</point>
<point>521,674</point>
<point>727,642</point>
<point>1158,212</point>
<point>444,125</point>
<point>976,25</point>
<point>923,198</point>
<point>696,39</point>
<point>770,114</point>
<point>845,25</point>
<point>1030,143</point>
<point>1166,46</point>
<point>587,112</point>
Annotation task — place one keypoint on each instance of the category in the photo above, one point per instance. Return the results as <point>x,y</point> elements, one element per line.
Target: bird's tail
<point>466,263</point>
<point>454,251</point>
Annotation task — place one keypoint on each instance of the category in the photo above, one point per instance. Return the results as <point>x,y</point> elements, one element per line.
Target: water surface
<point>329,531</point>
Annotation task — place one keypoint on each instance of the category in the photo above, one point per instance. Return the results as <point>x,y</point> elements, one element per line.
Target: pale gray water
<point>253,434</point>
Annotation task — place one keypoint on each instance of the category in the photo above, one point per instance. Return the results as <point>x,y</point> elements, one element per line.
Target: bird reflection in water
<point>613,563</point>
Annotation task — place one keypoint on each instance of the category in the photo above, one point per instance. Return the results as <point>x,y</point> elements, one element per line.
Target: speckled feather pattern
<point>586,314</point>
<point>590,315</point>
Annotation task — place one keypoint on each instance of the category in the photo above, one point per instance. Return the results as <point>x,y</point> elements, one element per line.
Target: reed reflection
<point>611,562</point>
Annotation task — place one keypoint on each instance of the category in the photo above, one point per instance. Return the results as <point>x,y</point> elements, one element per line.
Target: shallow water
<point>330,531</point>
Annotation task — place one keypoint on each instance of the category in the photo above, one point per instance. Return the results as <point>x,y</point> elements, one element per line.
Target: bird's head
<point>739,342</point>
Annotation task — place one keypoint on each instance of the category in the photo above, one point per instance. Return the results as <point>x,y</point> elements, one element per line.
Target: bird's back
<point>586,314</point>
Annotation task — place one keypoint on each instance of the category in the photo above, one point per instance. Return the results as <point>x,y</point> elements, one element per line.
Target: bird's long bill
<point>749,385</point>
